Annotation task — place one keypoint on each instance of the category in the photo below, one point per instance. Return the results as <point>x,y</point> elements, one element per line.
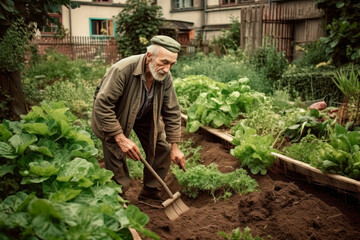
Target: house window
<point>52,27</point>
<point>103,27</point>
<point>233,2</point>
<point>228,2</point>
<point>104,1</point>
<point>183,4</point>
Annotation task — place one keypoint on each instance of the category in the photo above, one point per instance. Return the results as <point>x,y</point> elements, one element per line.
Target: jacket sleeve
<point>171,114</point>
<point>111,89</point>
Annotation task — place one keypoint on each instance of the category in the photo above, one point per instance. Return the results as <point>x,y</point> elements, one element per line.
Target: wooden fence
<point>282,24</point>
<point>87,48</point>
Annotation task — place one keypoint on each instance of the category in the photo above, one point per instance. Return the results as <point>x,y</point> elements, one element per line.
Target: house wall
<point>195,16</point>
<point>79,18</point>
<point>209,17</point>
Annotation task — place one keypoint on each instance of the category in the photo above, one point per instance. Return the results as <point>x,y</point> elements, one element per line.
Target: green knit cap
<point>166,42</point>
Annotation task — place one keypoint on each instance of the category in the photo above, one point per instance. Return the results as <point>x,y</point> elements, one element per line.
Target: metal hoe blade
<point>175,209</point>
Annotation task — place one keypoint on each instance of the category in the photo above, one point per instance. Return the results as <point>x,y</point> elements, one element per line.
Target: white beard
<point>160,76</point>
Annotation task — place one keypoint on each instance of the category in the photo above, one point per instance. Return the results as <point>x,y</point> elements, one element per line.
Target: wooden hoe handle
<point>147,165</point>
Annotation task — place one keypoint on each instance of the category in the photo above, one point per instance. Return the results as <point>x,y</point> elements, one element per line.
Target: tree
<point>18,20</point>
<point>343,30</point>
<point>136,24</point>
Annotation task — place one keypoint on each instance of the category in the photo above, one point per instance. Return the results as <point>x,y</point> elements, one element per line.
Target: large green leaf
<point>5,134</point>
<point>193,126</point>
<point>74,168</point>
<point>8,5</point>
<point>138,220</point>
<point>102,176</point>
<point>7,151</point>
<point>7,168</point>
<point>65,195</point>
<point>37,112</point>
<point>19,219</point>
<point>37,128</point>
<point>14,127</point>
<point>12,202</point>
<point>233,98</point>
<point>43,169</point>
<point>48,228</point>
<point>21,141</point>
<point>43,150</point>
<point>80,136</point>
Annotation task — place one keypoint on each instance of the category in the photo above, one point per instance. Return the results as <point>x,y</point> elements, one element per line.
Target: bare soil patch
<point>285,207</point>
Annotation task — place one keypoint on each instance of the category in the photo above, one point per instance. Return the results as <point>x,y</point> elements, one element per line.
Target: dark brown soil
<point>285,207</point>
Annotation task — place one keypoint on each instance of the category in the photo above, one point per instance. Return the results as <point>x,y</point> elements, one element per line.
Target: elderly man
<point>137,93</point>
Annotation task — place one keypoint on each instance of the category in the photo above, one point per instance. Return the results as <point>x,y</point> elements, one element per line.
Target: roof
<point>179,25</point>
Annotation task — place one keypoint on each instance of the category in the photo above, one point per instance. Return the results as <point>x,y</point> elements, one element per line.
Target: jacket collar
<point>140,67</point>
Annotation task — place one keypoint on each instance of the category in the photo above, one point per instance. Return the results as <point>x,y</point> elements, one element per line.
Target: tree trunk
<point>12,95</point>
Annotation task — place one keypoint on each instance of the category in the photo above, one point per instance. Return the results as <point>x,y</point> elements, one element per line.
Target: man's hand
<point>128,147</point>
<point>177,156</point>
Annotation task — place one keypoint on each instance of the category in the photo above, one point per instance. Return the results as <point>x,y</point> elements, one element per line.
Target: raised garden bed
<point>283,207</point>
<point>313,175</point>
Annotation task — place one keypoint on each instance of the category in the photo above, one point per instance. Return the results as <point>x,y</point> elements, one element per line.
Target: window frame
<point>236,2</point>
<point>189,4</point>
<point>102,20</point>
<point>52,15</point>
<point>102,1</point>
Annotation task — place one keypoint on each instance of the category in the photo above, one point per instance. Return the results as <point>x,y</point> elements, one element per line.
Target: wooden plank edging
<point>313,174</point>
<point>316,175</point>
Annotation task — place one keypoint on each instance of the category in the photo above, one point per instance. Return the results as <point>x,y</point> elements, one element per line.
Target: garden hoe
<point>173,206</point>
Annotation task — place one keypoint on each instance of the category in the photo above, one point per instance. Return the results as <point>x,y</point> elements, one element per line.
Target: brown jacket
<point>117,101</point>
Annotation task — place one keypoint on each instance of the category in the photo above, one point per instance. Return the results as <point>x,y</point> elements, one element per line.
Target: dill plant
<point>200,178</point>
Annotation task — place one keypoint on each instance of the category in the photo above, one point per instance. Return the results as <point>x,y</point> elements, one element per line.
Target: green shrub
<point>230,38</point>
<point>52,67</point>
<point>269,61</point>
<point>313,54</point>
<point>343,31</point>
<point>311,84</point>
<point>58,78</point>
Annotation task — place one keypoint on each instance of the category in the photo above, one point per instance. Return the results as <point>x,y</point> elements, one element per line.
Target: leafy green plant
<point>343,32</point>
<point>136,24</point>
<point>349,85</point>
<point>219,107</point>
<point>209,179</point>
<point>253,151</point>
<point>306,149</point>
<point>340,155</point>
<point>65,188</point>
<point>312,121</point>
<point>267,119</point>
<point>237,234</point>
<point>188,89</point>
<point>24,216</point>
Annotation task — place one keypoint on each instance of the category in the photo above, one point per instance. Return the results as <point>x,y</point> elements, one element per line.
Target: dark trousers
<point>115,159</point>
